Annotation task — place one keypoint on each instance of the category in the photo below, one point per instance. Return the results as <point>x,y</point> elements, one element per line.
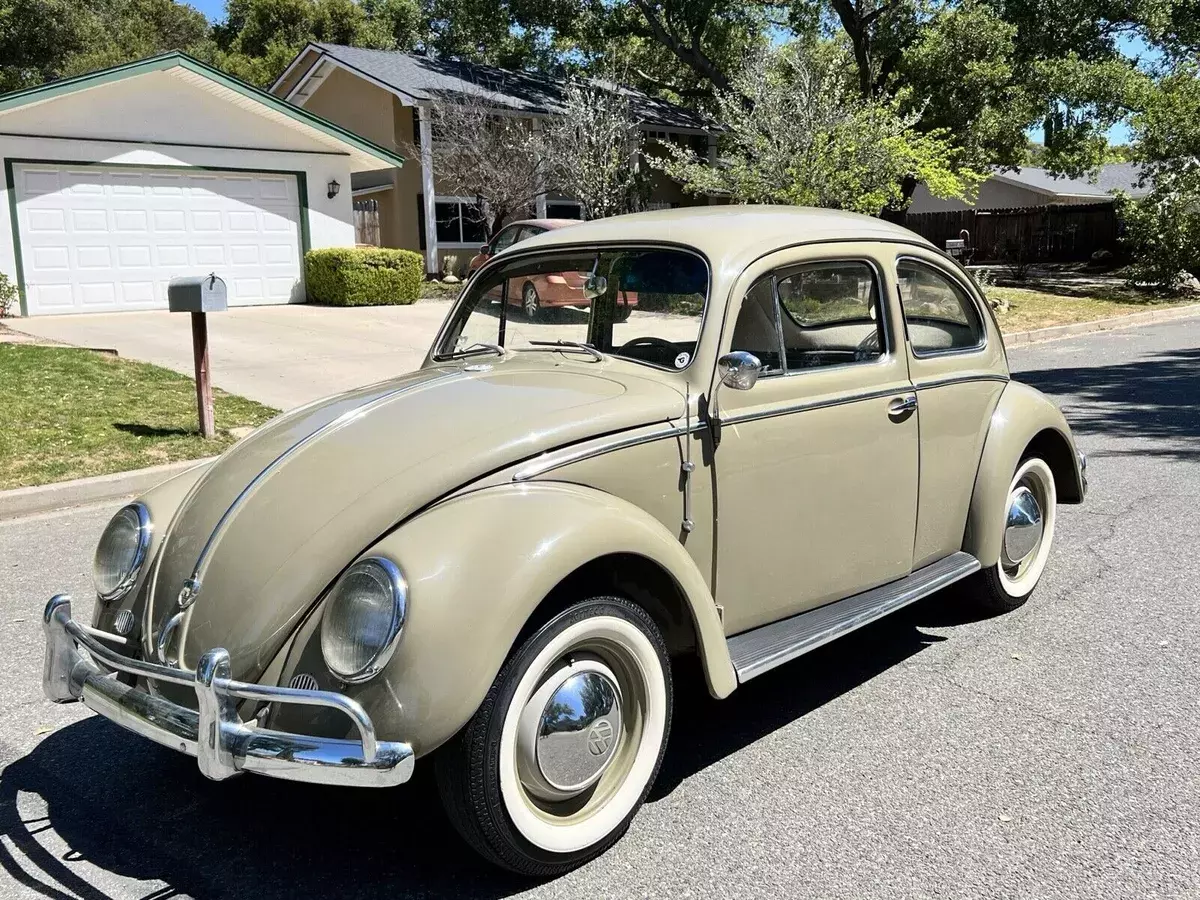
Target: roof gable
<point>221,101</point>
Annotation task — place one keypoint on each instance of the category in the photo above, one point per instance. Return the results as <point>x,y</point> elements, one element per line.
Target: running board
<point>768,646</point>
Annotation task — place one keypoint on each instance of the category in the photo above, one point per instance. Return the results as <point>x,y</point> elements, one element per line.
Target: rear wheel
<point>557,760</point>
<point>530,302</point>
<point>1025,546</point>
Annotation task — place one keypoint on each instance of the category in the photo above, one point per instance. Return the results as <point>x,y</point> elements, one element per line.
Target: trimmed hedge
<point>363,276</point>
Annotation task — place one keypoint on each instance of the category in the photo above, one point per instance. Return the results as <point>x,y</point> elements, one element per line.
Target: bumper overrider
<point>222,743</point>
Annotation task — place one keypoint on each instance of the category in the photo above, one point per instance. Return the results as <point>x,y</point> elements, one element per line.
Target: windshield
<point>640,304</point>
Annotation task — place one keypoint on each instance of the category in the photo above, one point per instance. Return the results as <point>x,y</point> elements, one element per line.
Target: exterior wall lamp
<point>334,187</point>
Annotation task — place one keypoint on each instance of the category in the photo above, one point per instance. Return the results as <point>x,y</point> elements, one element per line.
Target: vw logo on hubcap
<point>600,737</point>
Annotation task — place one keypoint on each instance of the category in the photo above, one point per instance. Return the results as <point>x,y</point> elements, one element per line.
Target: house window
<point>459,222</point>
<point>564,209</point>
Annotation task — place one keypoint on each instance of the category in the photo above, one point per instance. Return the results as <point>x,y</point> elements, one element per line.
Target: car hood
<point>276,518</point>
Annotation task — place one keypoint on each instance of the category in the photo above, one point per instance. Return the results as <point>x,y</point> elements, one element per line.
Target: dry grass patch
<point>1030,309</point>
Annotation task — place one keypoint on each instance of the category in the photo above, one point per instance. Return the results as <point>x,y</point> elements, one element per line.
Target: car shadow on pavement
<point>1151,398</point>
<point>705,731</point>
<point>138,811</point>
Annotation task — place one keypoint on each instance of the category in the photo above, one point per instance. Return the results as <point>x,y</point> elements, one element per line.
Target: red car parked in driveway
<point>538,292</point>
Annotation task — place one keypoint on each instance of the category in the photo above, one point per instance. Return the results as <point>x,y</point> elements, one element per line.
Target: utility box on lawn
<point>197,294</point>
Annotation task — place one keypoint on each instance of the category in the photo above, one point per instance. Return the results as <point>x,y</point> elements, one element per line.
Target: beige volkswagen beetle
<point>806,423</point>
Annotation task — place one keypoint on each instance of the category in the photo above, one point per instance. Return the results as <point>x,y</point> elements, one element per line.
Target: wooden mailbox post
<point>199,295</point>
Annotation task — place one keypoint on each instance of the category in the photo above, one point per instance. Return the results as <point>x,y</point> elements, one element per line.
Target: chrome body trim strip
<point>762,649</point>
<point>556,459</point>
<point>874,394</point>
<point>959,379</point>
<point>222,744</point>
<point>193,585</point>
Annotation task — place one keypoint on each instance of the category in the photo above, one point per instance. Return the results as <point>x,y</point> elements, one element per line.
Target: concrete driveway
<point>283,356</point>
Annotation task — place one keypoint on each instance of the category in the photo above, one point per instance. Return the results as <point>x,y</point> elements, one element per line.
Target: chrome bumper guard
<point>222,743</point>
<point>1082,470</point>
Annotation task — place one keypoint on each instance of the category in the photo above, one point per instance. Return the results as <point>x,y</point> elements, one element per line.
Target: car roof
<point>548,224</point>
<point>730,232</point>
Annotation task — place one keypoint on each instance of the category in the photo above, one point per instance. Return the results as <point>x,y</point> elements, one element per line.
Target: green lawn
<point>1030,309</point>
<point>70,413</point>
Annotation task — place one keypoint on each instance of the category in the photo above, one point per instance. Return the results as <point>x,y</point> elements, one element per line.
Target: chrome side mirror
<point>739,370</point>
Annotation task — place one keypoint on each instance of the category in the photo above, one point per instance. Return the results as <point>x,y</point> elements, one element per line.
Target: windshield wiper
<point>568,345</point>
<point>475,349</point>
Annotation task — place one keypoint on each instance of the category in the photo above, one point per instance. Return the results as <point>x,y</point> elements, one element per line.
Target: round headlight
<point>363,618</point>
<point>121,552</point>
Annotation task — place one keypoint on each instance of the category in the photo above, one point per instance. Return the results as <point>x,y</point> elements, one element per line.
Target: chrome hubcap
<point>569,731</point>
<point>1023,527</point>
<point>531,301</point>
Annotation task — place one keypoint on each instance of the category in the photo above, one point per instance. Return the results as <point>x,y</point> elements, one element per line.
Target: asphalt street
<point>1053,752</point>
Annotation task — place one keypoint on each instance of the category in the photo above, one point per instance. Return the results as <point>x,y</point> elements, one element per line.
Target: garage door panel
<point>111,239</point>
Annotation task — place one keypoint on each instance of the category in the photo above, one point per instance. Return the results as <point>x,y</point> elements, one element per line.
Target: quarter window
<point>823,314</point>
<point>938,313</point>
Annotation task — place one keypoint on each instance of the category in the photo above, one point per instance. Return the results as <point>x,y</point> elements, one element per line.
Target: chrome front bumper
<point>222,743</point>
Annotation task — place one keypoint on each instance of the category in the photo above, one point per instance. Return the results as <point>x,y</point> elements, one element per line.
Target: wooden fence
<point>1035,234</point>
<point>366,222</point>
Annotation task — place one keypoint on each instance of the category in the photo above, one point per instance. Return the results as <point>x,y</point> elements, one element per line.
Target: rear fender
<point>1024,420</point>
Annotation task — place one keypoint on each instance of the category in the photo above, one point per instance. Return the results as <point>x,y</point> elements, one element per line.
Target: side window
<point>821,314</point>
<point>938,313</point>
<point>756,330</point>
<point>527,231</point>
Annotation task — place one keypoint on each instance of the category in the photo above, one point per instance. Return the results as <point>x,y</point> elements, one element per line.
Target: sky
<point>212,9</point>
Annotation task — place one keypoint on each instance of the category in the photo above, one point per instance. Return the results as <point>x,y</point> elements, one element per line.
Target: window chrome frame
<point>889,350</point>
<point>953,278</point>
<point>439,354</point>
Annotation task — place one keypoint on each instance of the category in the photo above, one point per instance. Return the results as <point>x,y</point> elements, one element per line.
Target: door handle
<point>902,406</point>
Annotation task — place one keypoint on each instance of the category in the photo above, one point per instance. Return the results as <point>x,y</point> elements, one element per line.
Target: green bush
<point>8,297</point>
<point>363,276</point>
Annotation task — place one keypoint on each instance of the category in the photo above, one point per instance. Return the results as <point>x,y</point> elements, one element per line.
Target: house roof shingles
<point>1109,178</point>
<point>425,78</point>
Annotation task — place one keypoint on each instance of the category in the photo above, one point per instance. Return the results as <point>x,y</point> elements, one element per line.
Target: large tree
<point>1163,228</point>
<point>798,132</point>
<point>42,40</point>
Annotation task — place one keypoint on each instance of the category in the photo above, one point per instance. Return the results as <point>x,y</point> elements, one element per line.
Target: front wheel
<point>560,755</point>
<point>1025,545</point>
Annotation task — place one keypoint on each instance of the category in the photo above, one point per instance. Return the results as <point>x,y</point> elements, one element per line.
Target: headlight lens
<point>363,618</point>
<point>121,552</point>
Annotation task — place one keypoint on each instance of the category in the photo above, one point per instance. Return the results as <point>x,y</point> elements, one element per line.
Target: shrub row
<point>363,276</point>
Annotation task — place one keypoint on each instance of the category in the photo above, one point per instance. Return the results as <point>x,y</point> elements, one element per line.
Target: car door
<point>816,465</point>
<point>958,376</point>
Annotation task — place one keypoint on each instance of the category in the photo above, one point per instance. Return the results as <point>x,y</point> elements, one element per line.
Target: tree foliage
<point>479,152</point>
<point>1163,228</point>
<point>798,132</point>
<point>596,150</point>
<point>42,40</point>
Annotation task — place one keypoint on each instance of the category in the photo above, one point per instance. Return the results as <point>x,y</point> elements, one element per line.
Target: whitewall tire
<point>1030,513</point>
<point>558,759</point>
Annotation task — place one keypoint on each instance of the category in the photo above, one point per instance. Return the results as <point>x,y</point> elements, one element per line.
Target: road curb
<point>46,497</point>
<point>1020,338</point>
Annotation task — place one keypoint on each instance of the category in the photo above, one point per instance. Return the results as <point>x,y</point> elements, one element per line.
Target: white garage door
<point>97,239</point>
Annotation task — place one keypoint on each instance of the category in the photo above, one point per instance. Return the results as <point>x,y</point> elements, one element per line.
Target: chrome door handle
<point>902,406</point>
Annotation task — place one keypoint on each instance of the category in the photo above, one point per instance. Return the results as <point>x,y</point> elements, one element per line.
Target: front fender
<point>477,567</point>
<point>1023,419</point>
